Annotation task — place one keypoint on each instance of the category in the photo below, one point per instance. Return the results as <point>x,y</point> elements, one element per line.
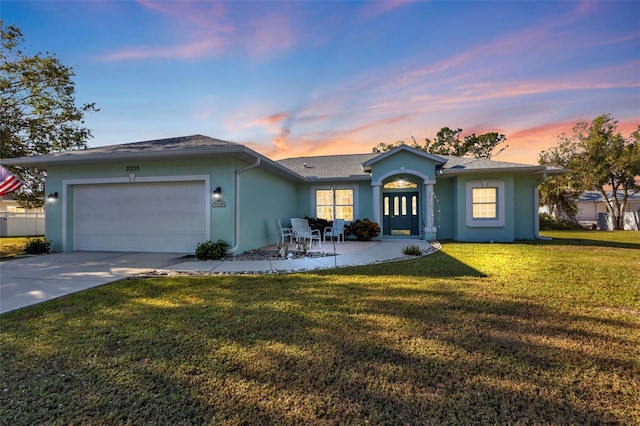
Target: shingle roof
<point>329,166</point>
<point>596,196</point>
<point>475,164</point>
<point>179,143</point>
<point>182,143</point>
<point>185,147</point>
<point>350,166</point>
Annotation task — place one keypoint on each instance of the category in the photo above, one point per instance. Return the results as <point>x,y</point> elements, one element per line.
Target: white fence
<point>631,221</point>
<point>21,224</point>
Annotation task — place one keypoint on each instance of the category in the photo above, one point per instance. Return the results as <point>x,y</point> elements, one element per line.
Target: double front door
<point>400,213</point>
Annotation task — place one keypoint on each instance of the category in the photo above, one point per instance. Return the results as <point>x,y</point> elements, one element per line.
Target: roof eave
<point>520,170</point>
<point>239,152</point>
<point>86,157</point>
<point>352,178</point>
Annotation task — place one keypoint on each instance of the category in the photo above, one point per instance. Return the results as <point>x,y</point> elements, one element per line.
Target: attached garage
<point>140,217</point>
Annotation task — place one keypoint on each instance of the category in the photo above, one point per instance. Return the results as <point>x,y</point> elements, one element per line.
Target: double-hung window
<point>485,203</point>
<point>335,203</point>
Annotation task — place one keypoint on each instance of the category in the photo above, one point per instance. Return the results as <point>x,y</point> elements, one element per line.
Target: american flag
<point>8,182</point>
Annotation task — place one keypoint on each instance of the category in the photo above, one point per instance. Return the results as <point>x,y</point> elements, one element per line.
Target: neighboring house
<point>16,221</point>
<point>9,204</point>
<point>592,206</point>
<point>168,195</point>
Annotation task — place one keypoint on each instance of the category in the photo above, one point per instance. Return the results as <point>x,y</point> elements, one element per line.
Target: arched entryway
<point>403,204</point>
<point>400,208</point>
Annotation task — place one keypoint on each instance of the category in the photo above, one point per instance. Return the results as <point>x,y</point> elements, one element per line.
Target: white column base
<point>430,233</point>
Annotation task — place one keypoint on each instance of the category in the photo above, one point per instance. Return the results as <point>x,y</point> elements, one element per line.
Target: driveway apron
<point>30,280</point>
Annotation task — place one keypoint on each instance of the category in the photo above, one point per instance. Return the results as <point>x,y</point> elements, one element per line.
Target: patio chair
<point>302,231</point>
<point>284,232</point>
<point>335,230</point>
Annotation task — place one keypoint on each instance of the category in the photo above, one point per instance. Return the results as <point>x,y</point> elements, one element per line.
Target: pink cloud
<point>199,14</point>
<point>372,9</point>
<point>196,49</point>
<point>210,29</point>
<point>268,34</point>
<point>355,139</point>
<point>271,119</point>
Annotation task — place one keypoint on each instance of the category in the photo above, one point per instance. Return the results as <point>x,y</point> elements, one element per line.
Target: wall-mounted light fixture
<point>217,193</point>
<point>52,197</point>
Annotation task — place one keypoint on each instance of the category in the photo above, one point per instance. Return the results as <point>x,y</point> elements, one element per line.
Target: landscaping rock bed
<point>274,254</point>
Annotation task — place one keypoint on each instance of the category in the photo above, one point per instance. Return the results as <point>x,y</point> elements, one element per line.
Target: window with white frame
<point>485,203</point>
<point>333,204</point>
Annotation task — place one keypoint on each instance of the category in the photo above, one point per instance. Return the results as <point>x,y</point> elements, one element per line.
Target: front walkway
<point>349,253</point>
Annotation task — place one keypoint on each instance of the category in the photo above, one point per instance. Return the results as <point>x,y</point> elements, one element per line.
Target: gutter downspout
<point>536,203</point>
<point>233,249</point>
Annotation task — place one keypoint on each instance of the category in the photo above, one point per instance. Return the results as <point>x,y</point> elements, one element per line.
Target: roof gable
<point>402,148</point>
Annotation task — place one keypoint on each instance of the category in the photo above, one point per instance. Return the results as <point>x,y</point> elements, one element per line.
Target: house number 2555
<point>133,168</point>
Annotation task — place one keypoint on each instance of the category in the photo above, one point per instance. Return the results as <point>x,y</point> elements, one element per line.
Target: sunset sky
<point>305,78</point>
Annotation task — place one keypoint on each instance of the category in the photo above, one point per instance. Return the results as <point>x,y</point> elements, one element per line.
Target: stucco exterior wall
<point>365,198</point>
<point>504,233</point>
<point>220,172</point>
<point>264,198</point>
<point>525,208</point>
<point>445,208</point>
<point>403,160</point>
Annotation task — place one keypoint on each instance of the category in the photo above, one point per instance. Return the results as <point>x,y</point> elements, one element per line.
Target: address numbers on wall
<point>133,168</point>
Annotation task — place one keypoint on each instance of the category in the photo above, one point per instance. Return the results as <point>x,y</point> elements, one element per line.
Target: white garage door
<point>149,217</point>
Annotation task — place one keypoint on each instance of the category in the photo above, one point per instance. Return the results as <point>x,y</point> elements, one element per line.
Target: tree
<point>484,146</point>
<point>559,192</point>
<point>599,158</point>
<point>38,114</point>
<point>448,142</point>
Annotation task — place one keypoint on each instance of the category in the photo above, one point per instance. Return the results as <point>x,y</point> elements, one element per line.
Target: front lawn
<point>12,246</point>
<point>525,333</point>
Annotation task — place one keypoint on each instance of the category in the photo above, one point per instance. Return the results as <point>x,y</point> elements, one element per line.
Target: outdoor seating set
<point>301,231</point>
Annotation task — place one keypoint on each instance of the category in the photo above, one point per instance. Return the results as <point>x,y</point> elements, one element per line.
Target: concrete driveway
<point>30,280</point>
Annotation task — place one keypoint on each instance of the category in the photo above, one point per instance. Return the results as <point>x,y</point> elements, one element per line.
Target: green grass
<point>524,333</point>
<point>12,246</point>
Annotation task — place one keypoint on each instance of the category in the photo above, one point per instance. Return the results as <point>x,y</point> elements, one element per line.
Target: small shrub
<point>211,251</point>
<point>37,246</point>
<point>548,223</point>
<point>317,223</point>
<point>413,250</point>
<point>364,230</point>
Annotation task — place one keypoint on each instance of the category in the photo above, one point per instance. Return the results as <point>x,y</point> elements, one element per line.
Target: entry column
<point>377,205</point>
<point>429,229</point>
